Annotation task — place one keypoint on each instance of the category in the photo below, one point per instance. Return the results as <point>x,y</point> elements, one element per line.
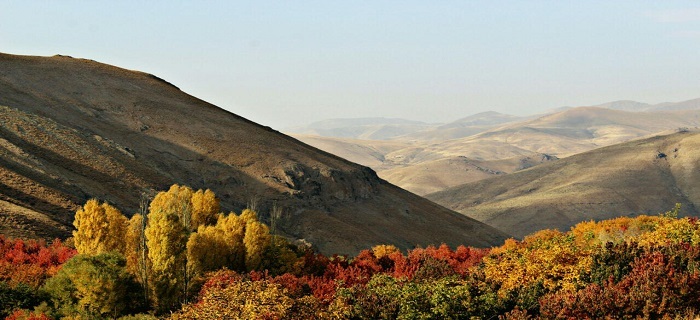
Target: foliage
<point>27,315</point>
<point>226,295</point>
<point>99,228</point>
<point>166,239</point>
<point>94,287</point>
<point>205,207</point>
<point>643,267</point>
<point>661,281</point>
<point>179,237</point>
<point>31,262</point>
<point>20,296</point>
<point>256,241</point>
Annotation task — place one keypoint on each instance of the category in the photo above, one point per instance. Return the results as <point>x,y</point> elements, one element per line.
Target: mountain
<point>638,177</point>
<point>371,153</point>
<point>436,175</point>
<point>361,128</point>
<point>684,105</point>
<point>74,129</point>
<point>581,129</point>
<point>627,105</point>
<point>461,128</point>
<point>410,166</point>
<point>422,165</point>
<point>487,118</point>
<point>401,129</point>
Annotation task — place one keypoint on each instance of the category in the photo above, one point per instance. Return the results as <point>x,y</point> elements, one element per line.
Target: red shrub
<point>31,261</point>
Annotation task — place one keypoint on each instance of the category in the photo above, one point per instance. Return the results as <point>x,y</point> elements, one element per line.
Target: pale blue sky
<point>286,63</point>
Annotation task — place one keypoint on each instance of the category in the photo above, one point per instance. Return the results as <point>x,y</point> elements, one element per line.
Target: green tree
<point>94,287</point>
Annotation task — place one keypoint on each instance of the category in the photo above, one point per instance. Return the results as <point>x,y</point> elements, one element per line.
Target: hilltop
<point>437,160</point>
<point>75,129</point>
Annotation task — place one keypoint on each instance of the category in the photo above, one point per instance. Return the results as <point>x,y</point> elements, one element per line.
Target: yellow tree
<point>166,239</point>
<point>205,207</point>
<point>233,229</point>
<point>177,200</point>
<point>207,250</point>
<point>382,250</point>
<point>136,253</point>
<point>241,299</point>
<point>99,228</point>
<point>256,241</point>
<point>117,225</point>
<point>249,215</point>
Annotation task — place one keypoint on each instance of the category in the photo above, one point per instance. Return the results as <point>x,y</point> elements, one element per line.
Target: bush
<point>94,287</point>
<point>20,296</point>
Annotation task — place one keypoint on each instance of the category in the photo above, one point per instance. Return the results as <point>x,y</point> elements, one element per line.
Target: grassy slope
<point>623,179</point>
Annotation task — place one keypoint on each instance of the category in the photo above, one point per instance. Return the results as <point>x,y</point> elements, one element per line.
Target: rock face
<point>74,129</point>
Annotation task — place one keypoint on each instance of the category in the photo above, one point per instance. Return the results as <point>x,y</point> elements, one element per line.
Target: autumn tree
<point>207,250</point>
<point>136,253</point>
<point>228,296</point>
<point>205,207</point>
<point>99,228</point>
<point>177,201</point>
<point>166,239</point>
<point>256,241</point>
<point>233,228</point>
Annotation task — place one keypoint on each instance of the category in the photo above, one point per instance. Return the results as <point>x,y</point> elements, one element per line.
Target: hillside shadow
<point>158,168</point>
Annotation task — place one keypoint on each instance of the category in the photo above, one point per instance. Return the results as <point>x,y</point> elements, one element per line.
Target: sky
<point>290,63</point>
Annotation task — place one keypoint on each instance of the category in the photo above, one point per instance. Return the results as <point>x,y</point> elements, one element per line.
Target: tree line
<point>180,258</point>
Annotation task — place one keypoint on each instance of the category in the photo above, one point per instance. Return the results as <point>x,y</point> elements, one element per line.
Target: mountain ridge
<point>80,129</point>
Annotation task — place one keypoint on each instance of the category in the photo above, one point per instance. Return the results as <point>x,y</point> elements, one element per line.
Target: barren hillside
<point>638,177</point>
<point>73,129</point>
<point>424,165</point>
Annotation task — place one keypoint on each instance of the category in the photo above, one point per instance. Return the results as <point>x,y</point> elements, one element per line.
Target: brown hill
<point>577,130</point>
<point>437,175</point>
<point>424,166</point>
<point>638,177</point>
<point>73,129</point>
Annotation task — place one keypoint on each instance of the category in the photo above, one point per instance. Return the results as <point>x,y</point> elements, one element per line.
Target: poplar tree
<point>166,239</point>
<point>233,229</point>
<point>256,241</point>
<point>207,250</point>
<point>205,207</point>
<point>99,228</point>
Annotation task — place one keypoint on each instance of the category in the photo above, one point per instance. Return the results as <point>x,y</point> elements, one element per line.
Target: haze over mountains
<point>522,175</point>
<point>73,129</point>
<point>430,160</point>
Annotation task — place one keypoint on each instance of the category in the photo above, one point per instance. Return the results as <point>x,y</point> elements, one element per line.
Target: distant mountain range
<point>440,157</point>
<point>628,105</point>
<point>402,129</point>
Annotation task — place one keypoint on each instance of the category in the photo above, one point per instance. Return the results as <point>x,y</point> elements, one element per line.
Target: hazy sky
<point>286,63</point>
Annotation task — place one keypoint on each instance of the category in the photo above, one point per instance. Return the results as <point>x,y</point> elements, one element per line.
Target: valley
<point>492,144</point>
